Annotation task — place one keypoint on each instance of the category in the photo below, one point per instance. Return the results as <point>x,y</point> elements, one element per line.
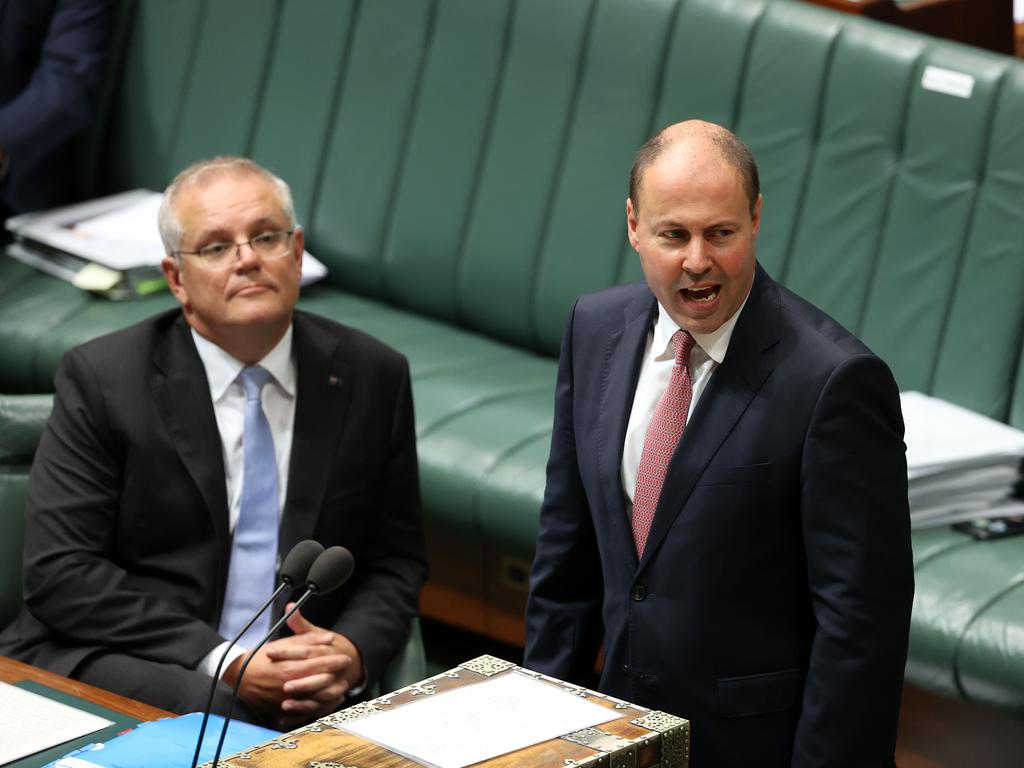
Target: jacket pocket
<point>747,474</point>
<point>760,694</point>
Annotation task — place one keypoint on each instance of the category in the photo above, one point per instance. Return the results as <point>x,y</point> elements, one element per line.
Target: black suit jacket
<point>127,540</point>
<point>771,606</point>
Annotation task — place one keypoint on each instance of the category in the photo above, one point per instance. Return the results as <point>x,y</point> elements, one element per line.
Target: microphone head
<point>331,569</point>
<point>299,560</point>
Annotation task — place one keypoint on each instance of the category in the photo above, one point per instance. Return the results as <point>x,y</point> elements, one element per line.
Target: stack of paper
<point>960,465</point>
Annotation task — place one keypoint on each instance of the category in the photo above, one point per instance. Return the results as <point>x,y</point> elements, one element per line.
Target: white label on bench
<point>947,81</point>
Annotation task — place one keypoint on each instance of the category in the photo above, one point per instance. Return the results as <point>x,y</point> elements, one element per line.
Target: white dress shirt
<point>228,395</point>
<point>656,371</point>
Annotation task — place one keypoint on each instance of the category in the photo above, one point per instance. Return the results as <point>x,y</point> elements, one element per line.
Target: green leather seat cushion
<point>483,419</point>
<point>967,627</point>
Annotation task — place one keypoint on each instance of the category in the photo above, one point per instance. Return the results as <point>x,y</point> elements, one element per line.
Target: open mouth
<point>705,294</point>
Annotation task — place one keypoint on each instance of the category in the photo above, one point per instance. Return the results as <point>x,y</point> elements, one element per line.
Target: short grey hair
<point>171,229</point>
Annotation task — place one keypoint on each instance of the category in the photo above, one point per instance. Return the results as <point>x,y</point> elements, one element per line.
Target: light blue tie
<point>254,547</point>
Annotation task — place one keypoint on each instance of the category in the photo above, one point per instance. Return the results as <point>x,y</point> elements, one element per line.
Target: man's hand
<point>296,679</point>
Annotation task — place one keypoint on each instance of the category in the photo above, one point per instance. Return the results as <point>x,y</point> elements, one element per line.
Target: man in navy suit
<point>758,581</point>
<point>51,61</point>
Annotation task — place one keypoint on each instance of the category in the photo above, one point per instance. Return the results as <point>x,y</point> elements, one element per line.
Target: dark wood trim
<point>12,671</point>
<point>983,23</point>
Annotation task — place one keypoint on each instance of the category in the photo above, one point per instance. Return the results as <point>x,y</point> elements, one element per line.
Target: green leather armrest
<point>410,666</point>
<point>22,418</point>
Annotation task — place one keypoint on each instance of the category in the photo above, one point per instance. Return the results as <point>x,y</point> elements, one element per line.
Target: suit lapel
<point>323,391</point>
<point>728,394</point>
<point>182,396</point>
<point>620,371</point>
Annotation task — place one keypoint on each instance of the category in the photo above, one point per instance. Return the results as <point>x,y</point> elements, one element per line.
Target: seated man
<point>186,452</point>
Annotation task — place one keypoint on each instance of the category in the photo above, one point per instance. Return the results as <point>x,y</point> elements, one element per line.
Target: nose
<point>695,259</point>
<point>245,256</point>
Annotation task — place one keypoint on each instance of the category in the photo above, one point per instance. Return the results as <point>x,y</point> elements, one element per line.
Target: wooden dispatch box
<point>637,738</point>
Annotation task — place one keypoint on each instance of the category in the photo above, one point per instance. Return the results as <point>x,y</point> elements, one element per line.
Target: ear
<point>172,273</point>
<point>756,218</point>
<point>299,246</point>
<point>631,225</point>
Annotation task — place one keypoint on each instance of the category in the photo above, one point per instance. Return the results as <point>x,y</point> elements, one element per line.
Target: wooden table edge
<point>12,671</point>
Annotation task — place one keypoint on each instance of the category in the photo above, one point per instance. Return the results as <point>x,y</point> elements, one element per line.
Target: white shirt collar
<point>714,344</point>
<point>222,369</point>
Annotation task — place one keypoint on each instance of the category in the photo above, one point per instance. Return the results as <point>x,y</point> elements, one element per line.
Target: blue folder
<point>167,743</point>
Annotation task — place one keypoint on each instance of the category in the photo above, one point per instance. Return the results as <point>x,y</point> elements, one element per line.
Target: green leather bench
<point>461,167</point>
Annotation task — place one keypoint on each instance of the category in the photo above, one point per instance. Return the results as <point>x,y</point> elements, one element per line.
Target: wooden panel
<point>474,588</point>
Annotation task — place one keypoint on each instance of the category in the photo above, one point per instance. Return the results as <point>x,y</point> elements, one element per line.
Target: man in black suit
<point>134,570</point>
<point>726,501</point>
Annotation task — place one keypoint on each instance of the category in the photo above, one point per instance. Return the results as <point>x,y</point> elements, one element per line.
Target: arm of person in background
<point>59,100</point>
<point>856,527</point>
<point>563,613</point>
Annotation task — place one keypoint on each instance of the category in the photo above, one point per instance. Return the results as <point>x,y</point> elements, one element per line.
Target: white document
<point>476,722</point>
<point>997,481</point>
<point>119,232</point>
<point>941,436</point>
<point>30,723</point>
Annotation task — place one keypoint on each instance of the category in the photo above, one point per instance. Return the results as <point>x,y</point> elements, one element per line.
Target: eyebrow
<point>673,224</point>
<point>219,233</point>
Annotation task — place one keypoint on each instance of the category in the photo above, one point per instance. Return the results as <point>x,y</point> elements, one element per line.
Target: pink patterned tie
<point>663,434</point>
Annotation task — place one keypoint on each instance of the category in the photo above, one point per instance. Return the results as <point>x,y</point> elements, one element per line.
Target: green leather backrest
<point>309,53</point>
<point>616,93</point>
<point>22,419</point>
<point>468,160</point>
<point>533,105</point>
<point>986,310</point>
<point>364,150</point>
<point>148,99</point>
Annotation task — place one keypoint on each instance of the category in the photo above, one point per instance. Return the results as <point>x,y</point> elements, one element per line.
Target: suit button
<point>639,593</point>
<point>625,669</point>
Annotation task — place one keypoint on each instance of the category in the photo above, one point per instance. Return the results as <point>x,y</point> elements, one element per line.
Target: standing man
<point>52,54</point>
<point>726,501</point>
<point>185,453</point>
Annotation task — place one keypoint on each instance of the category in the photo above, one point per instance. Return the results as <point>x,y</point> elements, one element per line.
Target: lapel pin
<point>332,381</point>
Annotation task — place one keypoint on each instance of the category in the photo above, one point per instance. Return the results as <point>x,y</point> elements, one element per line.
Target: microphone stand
<point>220,665</point>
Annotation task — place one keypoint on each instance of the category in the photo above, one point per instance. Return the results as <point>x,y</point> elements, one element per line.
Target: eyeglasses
<point>266,245</point>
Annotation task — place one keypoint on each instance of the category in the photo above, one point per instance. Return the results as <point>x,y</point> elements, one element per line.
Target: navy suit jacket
<point>771,606</point>
<point>51,61</point>
<point>127,541</point>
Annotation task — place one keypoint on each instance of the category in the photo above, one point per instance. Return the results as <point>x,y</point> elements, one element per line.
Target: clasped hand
<point>296,679</point>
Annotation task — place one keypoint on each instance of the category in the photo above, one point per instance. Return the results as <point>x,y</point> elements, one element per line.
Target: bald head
<point>697,136</point>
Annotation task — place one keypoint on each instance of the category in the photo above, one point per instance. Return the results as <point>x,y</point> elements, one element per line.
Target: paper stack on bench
<point>961,465</point>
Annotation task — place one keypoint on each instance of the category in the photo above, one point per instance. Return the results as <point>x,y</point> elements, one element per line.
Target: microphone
<point>294,570</point>
<point>330,570</point>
